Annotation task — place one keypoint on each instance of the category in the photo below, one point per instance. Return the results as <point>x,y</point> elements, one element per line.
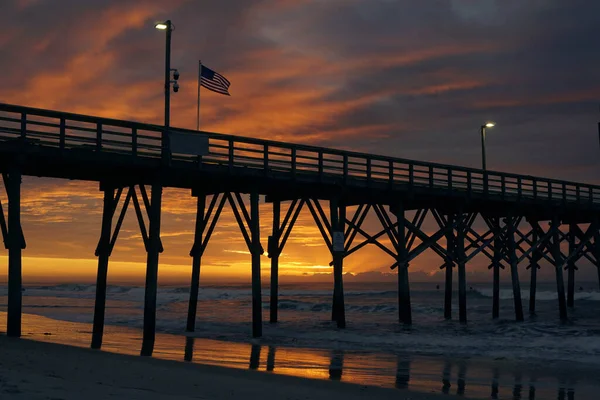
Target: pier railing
<point>74,132</point>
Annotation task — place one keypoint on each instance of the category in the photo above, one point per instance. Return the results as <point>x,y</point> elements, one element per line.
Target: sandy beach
<point>35,370</point>
<point>53,361</point>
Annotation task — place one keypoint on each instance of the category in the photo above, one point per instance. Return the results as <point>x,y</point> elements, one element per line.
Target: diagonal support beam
<point>371,240</point>
<point>584,243</point>
<point>439,250</point>
<point>351,231</point>
<point>3,227</point>
<point>288,229</point>
<point>534,245</point>
<point>239,220</point>
<point>319,223</point>
<point>386,222</point>
<point>417,221</point>
<point>430,242</point>
<point>213,222</point>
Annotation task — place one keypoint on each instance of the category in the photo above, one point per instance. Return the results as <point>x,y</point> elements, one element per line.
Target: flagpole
<point>198,109</point>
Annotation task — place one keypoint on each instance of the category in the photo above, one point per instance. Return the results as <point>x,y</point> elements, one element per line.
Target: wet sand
<point>36,370</point>
<point>40,366</point>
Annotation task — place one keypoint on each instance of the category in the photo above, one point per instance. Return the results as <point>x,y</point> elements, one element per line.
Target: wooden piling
<point>338,217</point>
<point>514,272</point>
<point>274,254</point>
<point>571,267</point>
<point>256,282</point>
<point>15,246</point>
<point>496,270</point>
<point>596,247</point>
<point>404,307</point>
<point>450,248</point>
<point>149,330</point>
<point>196,262</point>
<point>334,214</point>
<point>462,273</point>
<point>103,257</point>
<point>535,254</point>
<point>560,285</point>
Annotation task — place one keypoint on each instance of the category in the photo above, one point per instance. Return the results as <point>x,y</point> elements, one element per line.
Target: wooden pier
<point>523,215</point>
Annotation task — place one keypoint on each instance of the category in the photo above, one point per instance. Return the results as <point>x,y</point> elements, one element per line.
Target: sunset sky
<point>413,79</point>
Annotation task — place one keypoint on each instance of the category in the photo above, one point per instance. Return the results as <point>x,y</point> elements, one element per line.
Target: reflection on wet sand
<point>566,389</point>
<point>359,368</point>
<point>271,359</point>
<point>518,388</point>
<point>446,385</point>
<point>336,365</point>
<point>402,372</point>
<point>461,381</point>
<point>495,384</point>
<point>254,356</point>
<point>413,372</point>
<point>189,349</point>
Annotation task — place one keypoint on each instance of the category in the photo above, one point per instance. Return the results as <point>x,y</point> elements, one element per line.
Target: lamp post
<point>483,129</point>
<point>154,247</point>
<point>167,26</point>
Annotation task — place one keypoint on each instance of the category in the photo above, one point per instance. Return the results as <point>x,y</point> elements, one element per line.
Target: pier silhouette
<point>127,158</point>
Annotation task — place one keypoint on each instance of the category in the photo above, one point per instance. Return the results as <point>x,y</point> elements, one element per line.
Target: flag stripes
<point>214,81</point>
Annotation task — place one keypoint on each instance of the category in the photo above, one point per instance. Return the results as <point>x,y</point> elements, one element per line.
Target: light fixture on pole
<point>168,27</point>
<point>483,129</point>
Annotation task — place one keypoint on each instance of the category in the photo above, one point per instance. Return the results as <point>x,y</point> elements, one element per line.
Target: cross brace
<point>209,219</point>
<point>131,195</point>
<point>282,232</point>
<point>3,225</point>
<point>244,221</point>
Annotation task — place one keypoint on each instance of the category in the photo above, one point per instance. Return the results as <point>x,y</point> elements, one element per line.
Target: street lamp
<point>483,128</point>
<point>167,26</point>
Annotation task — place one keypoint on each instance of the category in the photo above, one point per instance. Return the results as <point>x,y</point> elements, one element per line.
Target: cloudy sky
<point>412,79</point>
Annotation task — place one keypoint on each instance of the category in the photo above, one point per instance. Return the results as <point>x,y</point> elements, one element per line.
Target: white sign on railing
<point>188,143</point>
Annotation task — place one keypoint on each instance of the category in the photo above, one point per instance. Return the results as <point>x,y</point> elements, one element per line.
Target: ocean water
<point>224,316</point>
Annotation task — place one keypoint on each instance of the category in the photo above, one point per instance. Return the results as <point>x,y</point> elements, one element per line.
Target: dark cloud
<point>413,79</point>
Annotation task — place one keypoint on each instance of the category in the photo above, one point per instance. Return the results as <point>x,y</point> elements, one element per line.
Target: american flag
<point>213,80</point>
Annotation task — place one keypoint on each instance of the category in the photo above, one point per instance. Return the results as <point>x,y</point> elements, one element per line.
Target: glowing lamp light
<point>490,124</point>
<point>161,25</point>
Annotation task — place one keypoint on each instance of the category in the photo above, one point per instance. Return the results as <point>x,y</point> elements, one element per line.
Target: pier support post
<point>16,243</point>
<point>274,254</point>
<point>450,250</point>
<point>404,307</point>
<point>103,253</point>
<point>256,251</point>
<point>535,256</point>
<point>558,261</point>
<point>462,273</point>
<point>496,269</point>
<point>596,247</point>
<point>196,254</point>
<point>338,218</point>
<point>153,249</point>
<point>514,272</point>
<point>571,267</point>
